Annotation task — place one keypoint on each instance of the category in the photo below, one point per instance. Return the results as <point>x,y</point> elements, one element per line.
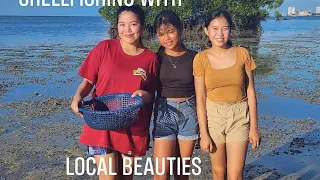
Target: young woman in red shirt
<point>109,68</point>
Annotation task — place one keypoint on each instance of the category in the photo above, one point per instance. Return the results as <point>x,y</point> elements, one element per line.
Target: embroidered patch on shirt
<point>140,72</point>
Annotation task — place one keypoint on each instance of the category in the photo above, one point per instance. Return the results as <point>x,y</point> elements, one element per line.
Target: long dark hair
<point>217,14</point>
<point>166,17</point>
<point>138,11</point>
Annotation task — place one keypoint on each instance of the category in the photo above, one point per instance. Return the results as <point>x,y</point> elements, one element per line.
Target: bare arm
<point>83,90</point>
<point>146,96</point>
<point>201,104</point>
<point>252,103</point>
<point>205,142</point>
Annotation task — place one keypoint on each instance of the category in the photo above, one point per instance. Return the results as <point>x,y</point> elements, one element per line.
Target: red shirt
<point>113,71</point>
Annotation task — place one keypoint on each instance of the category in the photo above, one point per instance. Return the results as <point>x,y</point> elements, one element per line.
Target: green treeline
<point>247,14</point>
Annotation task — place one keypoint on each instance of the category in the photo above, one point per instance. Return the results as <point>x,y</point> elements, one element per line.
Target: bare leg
<point>128,160</point>
<point>236,159</point>
<point>178,155</point>
<point>219,162</point>
<point>112,167</point>
<point>186,148</point>
<point>163,148</point>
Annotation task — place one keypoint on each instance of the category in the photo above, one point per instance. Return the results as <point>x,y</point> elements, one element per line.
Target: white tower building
<point>318,10</point>
<point>291,10</point>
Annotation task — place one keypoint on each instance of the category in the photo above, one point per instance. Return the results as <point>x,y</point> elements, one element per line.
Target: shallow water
<point>296,25</point>
<point>289,108</point>
<point>299,156</point>
<point>47,30</point>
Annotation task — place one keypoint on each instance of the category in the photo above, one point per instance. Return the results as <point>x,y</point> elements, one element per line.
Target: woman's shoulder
<point>201,55</point>
<point>103,45</point>
<point>192,53</point>
<point>150,53</point>
<point>200,59</point>
<point>242,52</point>
<point>160,53</point>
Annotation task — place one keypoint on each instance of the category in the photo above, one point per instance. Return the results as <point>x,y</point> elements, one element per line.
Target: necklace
<point>173,64</point>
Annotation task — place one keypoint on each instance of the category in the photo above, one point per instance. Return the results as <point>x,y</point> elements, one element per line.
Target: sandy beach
<point>38,131</point>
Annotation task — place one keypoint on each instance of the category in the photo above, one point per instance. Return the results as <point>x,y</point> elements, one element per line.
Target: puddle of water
<point>30,132</point>
<point>11,128</point>
<point>4,113</point>
<point>51,76</point>
<point>306,165</point>
<point>288,108</point>
<point>7,77</point>
<point>303,160</point>
<point>25,92</point>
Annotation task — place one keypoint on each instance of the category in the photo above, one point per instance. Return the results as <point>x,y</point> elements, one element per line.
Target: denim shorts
<point>96,150</point>
<point>175,120</point>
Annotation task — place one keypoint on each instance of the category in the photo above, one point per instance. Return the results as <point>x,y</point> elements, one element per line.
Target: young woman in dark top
<point>175,123</point>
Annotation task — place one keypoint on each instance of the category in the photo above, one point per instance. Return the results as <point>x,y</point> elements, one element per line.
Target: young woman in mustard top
<point>226,99</point>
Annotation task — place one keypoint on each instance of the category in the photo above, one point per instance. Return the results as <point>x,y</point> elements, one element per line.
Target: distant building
<point>305,13</point>
<point>318,10</point>
<point>291,10</point>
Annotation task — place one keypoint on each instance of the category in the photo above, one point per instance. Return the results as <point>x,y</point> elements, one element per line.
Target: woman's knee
<point>219,172</point>
<point>235,174</point>
<point>126,165</point>
<point>162,169</point>
<point>109,161</point>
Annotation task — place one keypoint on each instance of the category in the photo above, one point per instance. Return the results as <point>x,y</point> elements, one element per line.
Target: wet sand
<point>38,131</point>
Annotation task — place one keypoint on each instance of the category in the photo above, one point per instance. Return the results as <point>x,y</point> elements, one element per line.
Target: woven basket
<point>111,112</point>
